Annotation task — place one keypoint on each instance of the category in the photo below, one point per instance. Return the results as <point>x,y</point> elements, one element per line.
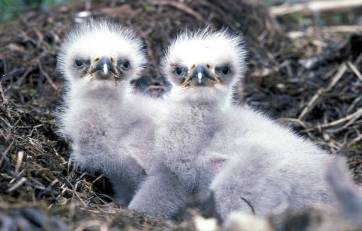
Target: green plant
<point>12,8</point>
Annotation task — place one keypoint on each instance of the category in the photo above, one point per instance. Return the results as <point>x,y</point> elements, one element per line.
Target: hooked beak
<point>104,67</point>
<point>200,76</point>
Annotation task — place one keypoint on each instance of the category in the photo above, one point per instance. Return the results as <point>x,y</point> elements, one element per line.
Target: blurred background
<point>10,9</point>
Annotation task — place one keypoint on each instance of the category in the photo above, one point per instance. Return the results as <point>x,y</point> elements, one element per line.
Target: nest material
<point>317,91</point>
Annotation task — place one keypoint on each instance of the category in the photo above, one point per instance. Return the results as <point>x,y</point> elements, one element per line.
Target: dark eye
<point>224,70</point>
<point>124,64</point>
<point>180,70</point>
<point>81,62</point>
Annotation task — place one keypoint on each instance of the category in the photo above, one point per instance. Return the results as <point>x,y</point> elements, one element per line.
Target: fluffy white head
<point>100,53</point>
<point>205,64</point>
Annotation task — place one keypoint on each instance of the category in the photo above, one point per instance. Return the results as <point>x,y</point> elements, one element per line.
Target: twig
<point>343,29</point>
<point>3,155</point>
<point>355,70</point>
<point>349,117</point>
<point>326,29</point>
<point>19,161</point>
<point>180,6</point>
<point>341,70</point>
<point>355,140</point>
<point>17,184</point>
<point>3,94</point>
<point>309,8</point>
<point>47,77</point>
<point>23,76</point>
<point>98,178</point>
<point>74,191</point>
<point>292,120</point>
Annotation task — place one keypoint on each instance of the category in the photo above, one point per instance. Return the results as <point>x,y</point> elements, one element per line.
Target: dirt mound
<point>312,87</point>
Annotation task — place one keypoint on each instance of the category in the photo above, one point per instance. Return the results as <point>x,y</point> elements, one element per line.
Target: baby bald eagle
<point>248,161</point>
<point>203,68</point>
<point>98,60</point>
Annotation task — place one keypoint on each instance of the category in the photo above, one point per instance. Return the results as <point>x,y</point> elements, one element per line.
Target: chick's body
<point>98,59</point>
<point>201,88</point>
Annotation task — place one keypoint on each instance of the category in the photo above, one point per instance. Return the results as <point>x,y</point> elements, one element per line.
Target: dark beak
<point>200,76</point>
<point>104,67</point>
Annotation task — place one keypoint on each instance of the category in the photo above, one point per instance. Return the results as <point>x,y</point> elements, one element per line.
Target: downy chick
<point>98,60</point>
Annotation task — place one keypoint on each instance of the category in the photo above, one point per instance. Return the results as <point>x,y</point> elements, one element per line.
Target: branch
<point>315,6</point>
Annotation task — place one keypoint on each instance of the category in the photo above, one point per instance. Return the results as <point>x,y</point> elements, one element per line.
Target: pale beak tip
<point>199,77</point>
<point>105,69</point>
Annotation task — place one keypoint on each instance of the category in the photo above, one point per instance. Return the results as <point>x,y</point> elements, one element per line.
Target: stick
<point>2,94</point>
<point>17,184</point>
<point>180,6</point>
<point>326,29</point>
<point>52,84</point>
<point>355,140</point>
<point>352,116</point>
<point>355,70</point>
<point>315,6</point>
<point>341,70</point>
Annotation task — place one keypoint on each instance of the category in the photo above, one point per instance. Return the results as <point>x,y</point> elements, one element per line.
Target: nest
<point>316,90</point>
